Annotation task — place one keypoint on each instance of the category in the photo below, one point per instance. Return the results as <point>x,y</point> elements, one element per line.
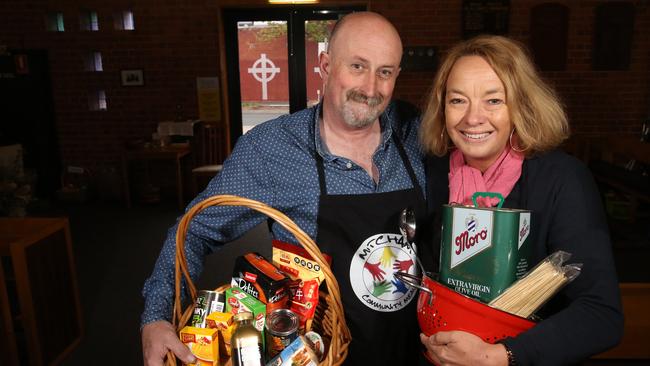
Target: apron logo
<point>471,234</point>
<point>372,269</point>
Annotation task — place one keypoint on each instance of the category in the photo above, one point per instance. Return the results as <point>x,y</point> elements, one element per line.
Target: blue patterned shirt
<point>275,163</point>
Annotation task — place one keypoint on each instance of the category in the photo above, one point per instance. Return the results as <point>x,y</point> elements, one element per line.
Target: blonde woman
<point>492,124</point>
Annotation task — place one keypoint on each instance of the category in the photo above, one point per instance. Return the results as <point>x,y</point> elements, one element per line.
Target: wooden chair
<point>208,154</point>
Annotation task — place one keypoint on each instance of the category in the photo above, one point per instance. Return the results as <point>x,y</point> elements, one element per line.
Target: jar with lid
<point>246,342</point>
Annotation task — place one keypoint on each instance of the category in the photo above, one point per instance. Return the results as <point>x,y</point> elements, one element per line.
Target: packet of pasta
<point>525,296</point>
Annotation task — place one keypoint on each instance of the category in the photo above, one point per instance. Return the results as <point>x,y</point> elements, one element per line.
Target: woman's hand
<point>462,348</point>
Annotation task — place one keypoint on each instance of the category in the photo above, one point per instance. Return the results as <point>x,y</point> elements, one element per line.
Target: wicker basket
<point>330,321</point>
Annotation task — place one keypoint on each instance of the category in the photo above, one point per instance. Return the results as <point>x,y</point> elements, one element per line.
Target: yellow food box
<point>204,344</point>
<point>224,324</point>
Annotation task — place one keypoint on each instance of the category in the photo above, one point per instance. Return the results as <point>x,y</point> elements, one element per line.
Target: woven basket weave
<point>331,321</point>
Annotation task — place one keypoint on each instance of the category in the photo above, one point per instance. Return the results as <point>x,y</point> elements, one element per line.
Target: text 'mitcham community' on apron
<point>361,233</point>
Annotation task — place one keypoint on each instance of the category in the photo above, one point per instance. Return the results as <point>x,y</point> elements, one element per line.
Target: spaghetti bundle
<point>530,292</point>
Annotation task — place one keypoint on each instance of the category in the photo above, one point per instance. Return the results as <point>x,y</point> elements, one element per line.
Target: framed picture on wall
<point>133,77</point>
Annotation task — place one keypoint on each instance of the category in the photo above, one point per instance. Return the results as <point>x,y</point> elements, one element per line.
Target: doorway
<point>272,61</point>
<point>27,107</point>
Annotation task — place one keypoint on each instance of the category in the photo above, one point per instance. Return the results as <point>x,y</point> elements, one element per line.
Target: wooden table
<point>172,153</point>
<point>48,316</point>
<point>8,350</point>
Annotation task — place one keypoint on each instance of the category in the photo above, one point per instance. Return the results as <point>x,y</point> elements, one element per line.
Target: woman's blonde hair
<point>535,110</point>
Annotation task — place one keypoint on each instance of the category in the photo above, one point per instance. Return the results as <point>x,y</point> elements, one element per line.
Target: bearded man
<point>342,170</point>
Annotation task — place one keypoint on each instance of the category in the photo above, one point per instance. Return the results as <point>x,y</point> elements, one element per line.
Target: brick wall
<point>177,40</point>
<point>598,102</point>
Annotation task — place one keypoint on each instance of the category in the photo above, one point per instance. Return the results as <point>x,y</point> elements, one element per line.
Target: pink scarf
<point>500,177</point>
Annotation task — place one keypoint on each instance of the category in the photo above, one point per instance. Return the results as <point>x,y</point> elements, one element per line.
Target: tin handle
<point>414,281</point>
<point>476,195</point>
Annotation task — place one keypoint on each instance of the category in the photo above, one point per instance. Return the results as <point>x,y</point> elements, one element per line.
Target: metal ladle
<point>407,229</point>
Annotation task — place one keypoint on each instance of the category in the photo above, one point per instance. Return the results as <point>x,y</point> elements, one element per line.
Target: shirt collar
<point>384,122</point>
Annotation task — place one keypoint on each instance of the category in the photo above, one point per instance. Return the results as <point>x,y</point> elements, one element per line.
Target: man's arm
<point>244,174</point>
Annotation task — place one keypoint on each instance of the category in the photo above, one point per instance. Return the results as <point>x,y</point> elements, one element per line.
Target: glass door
<point>316,33</point>
<point>272,61</point>
<point>263,71</point>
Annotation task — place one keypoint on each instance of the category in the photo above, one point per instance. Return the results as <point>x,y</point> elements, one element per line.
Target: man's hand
<point>160,337</point>
<point>462,348</point>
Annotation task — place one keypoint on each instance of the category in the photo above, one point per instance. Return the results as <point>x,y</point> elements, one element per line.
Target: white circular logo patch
<point>372,269</point>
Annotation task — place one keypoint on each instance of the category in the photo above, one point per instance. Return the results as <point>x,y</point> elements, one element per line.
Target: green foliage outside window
<point>317,31</point>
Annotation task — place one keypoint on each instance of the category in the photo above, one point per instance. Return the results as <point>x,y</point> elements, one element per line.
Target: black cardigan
<point>585,318</point>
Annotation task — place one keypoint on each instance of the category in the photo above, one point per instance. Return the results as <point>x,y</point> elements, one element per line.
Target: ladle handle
<point>414,281</point>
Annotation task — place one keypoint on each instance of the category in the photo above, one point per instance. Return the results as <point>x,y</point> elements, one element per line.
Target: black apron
<point>361,233</point>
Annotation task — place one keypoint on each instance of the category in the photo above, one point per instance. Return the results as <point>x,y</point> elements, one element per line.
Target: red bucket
<point>442,309</point>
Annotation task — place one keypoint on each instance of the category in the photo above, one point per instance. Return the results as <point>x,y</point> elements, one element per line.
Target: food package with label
<point>298,353</point>
<point>483,250</point>
<point>259,278</point>
<point>203,343</point>
<point>306,277</point>
<point>224,324</point>
<point>238,301</point>
<point>296,262</point>
<point>207,302</point>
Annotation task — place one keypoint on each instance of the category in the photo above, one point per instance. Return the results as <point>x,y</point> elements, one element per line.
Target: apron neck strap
<point>406,161</point>
<point>402,154</point>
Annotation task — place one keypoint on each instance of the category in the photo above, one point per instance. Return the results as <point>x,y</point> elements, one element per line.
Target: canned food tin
<point>315,342</point>
<point>207,302</point>
<point>281,330</point>
<point>483,250</point>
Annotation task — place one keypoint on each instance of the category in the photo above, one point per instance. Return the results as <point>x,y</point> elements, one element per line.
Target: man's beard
<point>357,117</point>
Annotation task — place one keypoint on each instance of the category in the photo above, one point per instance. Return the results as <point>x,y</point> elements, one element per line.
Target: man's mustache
<point>362,98</point>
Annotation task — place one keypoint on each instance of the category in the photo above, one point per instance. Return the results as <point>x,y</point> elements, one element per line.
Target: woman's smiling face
<point>476,113</point>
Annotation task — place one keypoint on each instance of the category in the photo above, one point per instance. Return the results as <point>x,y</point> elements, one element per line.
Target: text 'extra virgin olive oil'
<point>246,342</point>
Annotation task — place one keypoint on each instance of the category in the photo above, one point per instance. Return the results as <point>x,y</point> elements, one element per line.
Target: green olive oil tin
<point>483,250</point>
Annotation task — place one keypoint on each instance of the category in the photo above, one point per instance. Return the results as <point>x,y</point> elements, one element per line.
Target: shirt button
<point>349,165</point>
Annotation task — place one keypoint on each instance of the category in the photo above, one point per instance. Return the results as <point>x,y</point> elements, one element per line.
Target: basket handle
<point>181,317</point>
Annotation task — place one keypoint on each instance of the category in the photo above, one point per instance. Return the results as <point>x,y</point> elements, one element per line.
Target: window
<point>88,21</point>
<point>124,20</point>
<point>54,22</point>
<point>549,25</point>
<point>93,61</point>
<point>614,32</point>
<point>97,101</point>
<point>272,60</point>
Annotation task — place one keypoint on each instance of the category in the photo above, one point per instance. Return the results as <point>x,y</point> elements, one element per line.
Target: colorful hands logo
<point>372,272</point>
